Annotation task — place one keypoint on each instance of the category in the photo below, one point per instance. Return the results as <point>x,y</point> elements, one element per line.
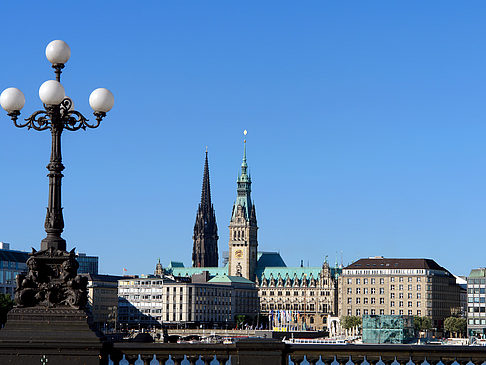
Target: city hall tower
<point>243,242</point>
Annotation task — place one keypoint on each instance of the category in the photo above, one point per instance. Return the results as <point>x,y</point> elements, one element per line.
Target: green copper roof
<point>175,264</point>
<point>269,264</point>
<point>244,189</point>
<point>291,272</point>
<point>478,273</point>
<point>230,279</point>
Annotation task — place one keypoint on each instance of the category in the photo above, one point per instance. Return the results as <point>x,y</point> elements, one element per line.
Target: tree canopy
<point>422,323</point>
<point>455,325</point>
<point>348,322</point>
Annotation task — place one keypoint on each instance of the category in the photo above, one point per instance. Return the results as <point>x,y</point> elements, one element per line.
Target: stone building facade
<point>418,287</point>
<point>195,301</point>
<point>299,298</point>
<point>103,299</point>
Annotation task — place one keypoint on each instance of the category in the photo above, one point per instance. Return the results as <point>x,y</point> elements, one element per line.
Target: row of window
<point>382,312</point>
<point>400,279</point>
<point>477,309</point>
<point>476,281</point>
<point>476,290</point>
<point>366,300</point>
<point>309,307</point>
<point>288,293</point>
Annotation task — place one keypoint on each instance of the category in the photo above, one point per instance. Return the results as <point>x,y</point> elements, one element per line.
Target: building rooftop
<point>270,259</point>
<point>15,256</point>
<point>380,262</point>
<point>229,279</point>
<point>101,277</point>
<point>478,273</point>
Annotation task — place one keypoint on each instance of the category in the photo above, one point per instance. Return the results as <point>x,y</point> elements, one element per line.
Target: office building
<point>413,287</point>
<point>12,263</point>
<point>103,299</point>
<point>476,303</point>
<point>87,264</point>
<point>199,300</point>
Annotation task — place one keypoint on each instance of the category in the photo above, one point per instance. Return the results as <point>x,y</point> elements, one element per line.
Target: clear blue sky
<point>366,127</point>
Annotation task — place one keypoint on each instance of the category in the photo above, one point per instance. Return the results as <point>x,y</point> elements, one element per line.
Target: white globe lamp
<point>101,100</point>
<point>12,99</point>
<point>52,92</point>
<point>58,52</point>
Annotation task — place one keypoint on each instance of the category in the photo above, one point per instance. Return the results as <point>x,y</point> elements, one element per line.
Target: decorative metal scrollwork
<point>69,118</point>
<point>39,120</point>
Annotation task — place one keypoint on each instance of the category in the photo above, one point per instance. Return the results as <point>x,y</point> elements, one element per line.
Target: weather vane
<point>245,132</point>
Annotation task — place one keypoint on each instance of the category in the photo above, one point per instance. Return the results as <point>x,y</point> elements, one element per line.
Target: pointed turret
<point>243,197</point>
<point>205,250</point>
<point>243,242</point>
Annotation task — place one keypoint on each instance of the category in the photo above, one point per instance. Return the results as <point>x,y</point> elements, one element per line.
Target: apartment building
<point>414,287</point>
<point>157,300</point>
<point>103,299</point>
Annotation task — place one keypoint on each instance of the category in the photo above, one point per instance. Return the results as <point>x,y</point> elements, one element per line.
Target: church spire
<point>206,187</point>
<point>205,249</point>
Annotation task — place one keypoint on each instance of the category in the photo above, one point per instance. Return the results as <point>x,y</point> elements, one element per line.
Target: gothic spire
<point>205,249</point>
<point>206,187</point>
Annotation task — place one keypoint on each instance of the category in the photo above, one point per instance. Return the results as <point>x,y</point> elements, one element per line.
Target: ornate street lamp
<point>52,278</point>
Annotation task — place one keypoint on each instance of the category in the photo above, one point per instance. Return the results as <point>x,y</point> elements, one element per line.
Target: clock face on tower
<point>239,254</point>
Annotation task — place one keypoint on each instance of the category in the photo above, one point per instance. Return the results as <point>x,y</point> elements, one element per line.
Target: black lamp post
<point>52,277</point>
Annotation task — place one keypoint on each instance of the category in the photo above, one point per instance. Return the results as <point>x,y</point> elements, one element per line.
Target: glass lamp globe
<point>12,99</point>
<point>58,52</point>
<point>101,100</point>
<point>51,92</point>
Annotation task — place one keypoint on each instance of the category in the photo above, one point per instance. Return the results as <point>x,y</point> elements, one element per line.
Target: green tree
<point>456,326</point>
<point>348,322</point>
<point>422,323</point>
<point>426,324</point>
<point>461,326</point>
<point>6,303</point>
<point>450,324</point>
